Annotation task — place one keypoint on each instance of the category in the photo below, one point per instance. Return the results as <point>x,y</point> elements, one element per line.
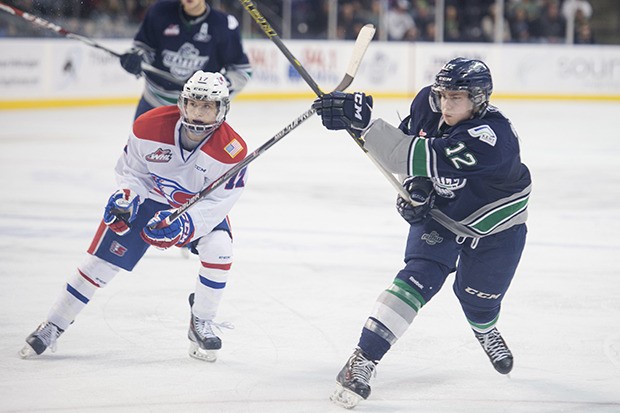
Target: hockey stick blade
<point>362,42</point>
<point>40,22</point>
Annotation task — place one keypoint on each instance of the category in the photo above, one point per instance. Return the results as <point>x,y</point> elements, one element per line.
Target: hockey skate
<point>203,341</point>
<point>497,350</point>
<point>41,339</point>
<point>352,381</point>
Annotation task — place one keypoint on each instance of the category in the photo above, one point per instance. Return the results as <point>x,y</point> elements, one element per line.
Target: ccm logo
<point>357,101</point>
<point>480,294</point>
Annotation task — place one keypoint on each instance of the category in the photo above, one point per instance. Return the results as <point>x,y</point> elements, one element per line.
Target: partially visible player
<point>171,154</point>
<point>462,159</point>
<point>181,37</point>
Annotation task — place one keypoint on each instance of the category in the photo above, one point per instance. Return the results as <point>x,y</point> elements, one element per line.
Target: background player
<point>171,153</point>
<point>181,37</point>
<point>461,156</point>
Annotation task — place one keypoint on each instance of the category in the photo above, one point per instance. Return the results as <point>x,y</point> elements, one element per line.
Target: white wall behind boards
<point>52,72</point>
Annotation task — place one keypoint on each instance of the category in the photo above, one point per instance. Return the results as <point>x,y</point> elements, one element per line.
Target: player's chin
<point>450,120</point>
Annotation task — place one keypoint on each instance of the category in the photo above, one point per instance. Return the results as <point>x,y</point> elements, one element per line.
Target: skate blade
<point>203,355</point>
<point>345,397</point>
<point>27,352</point>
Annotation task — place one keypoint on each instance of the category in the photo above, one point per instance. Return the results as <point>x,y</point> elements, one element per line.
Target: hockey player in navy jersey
<point>461,160</point>
<point>181,37</point>
<point>171,154</point>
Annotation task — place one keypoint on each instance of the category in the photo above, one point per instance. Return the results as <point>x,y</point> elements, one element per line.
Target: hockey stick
<point>38,21</point>
<point>361,44</point>
<point>368,31</point>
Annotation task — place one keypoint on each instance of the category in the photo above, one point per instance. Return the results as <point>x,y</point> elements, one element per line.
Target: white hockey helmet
<point>205,86</point>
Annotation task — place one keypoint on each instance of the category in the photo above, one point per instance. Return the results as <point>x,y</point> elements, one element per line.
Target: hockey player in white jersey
<point>172,153</point>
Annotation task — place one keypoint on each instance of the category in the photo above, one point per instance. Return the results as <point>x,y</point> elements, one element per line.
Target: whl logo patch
<point>432,238</point>
<point>159,156</point>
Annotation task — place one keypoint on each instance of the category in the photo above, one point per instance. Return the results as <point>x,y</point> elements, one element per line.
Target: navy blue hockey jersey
<point>482,185</point>
<point>181,46</point>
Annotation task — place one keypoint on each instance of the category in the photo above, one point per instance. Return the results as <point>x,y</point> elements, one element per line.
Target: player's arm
<point>197,222</point>
<point>237,68</point>
<point>142,49</point>
<point>134,183</point>
<point>237,76</point>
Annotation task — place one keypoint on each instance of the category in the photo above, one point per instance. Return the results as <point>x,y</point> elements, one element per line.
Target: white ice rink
<point>317,238</point>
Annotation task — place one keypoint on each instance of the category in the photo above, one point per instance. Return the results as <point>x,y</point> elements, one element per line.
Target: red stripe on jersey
<point>87,278</point>
<point>223,138</point>
<point>224,267</point>
<point>157,124</point>
<point>97,238</point>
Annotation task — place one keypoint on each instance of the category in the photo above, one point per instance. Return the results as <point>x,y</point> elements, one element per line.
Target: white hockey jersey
<point>155,166</point>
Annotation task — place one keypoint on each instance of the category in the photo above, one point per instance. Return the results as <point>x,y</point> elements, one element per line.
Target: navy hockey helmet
<point>205,86</point>
<point>470,75</point>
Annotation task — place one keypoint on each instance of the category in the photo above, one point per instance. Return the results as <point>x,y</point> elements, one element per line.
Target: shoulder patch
<point>233,23</point>
<point>484,133</point>
<point>157,124</point>
<point>226,145</point>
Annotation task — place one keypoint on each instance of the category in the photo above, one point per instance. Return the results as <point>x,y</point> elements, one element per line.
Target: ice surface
<point>317,238</point>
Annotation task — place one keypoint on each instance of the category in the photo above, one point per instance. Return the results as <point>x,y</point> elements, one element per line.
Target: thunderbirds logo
<point>159,156</point>
<point>185,61</point>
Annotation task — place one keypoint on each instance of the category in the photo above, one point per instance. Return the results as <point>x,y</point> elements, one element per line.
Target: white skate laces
<point>352,383</point>
<point>204,343</point>
<point>205,327</point>
<point>496,349</point>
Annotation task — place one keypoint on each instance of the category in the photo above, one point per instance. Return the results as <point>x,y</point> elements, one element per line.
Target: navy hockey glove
<point>121,210</point>
<point>179,232</point>
<point>420,190</point>
<point>132,60</point>
<point>339,110</point>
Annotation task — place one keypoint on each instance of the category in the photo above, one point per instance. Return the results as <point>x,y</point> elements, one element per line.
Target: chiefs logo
<point>174,193</point>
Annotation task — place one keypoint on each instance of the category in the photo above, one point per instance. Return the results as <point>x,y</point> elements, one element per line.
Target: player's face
<point>456,106</point>
<point>201,112</point>
<point>194,7</point>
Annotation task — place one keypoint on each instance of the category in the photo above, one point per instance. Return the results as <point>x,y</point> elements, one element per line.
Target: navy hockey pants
<point>484,267</point>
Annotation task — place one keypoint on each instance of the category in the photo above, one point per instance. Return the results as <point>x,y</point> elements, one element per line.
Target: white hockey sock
<point>79,289</point>
<point>208,294</point>
<point>215,251</point>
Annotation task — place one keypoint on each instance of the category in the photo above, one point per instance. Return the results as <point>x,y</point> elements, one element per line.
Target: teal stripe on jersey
<point>407,294</point>
<point>497,216</point>
<point>419,158</point>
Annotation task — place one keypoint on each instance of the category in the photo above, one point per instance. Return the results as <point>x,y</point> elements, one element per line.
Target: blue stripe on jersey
<point>77,294</point>
<point>211,284</point>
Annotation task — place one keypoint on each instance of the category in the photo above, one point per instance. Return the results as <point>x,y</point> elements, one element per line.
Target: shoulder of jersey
<point>226,145</point>
<point>157,125</point>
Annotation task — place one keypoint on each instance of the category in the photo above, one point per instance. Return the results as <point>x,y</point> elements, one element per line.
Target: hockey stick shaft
<point>366,33</point>
<point>38,21</point>
<point>358,51</point>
